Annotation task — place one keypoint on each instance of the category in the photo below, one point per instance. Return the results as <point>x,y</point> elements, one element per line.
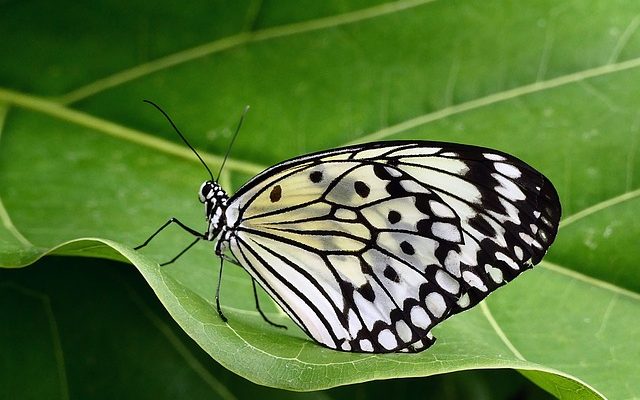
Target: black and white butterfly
<point>368,247</point>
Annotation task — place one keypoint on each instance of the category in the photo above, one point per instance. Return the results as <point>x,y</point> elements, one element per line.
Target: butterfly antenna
<point>181,135</point>
<point>233,139</point>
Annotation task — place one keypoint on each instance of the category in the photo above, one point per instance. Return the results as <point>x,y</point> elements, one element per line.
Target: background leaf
<point>82,157</point>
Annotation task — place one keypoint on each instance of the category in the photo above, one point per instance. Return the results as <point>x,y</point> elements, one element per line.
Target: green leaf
<point>87,169</point>
<point>128,347</point>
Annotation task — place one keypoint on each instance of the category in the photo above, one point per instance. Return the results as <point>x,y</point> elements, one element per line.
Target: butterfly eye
<point>205,191</point>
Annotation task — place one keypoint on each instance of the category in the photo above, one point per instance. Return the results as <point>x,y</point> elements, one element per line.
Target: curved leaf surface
<point>81,157</point>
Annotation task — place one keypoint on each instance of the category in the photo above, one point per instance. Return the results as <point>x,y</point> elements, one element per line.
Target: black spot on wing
<point>276,194</point>
<point>367,292</point>
<point>480,223</point>
<point>391,274</point>
<point>424,227</point>
<point>407,248</point>
<point>394,217</point>
<point>395,189</point>
<point>361,188</point>
<point>315,176</point>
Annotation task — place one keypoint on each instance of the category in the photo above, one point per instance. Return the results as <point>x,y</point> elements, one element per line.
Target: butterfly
<point>368,247</point>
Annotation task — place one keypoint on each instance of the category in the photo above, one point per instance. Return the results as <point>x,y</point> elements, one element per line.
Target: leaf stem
<point>64,113</point>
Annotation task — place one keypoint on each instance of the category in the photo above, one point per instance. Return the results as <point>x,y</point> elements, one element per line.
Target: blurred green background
<point>87,169</point>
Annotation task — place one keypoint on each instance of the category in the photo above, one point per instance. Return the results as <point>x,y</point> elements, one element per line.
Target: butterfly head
<point>214,199</point>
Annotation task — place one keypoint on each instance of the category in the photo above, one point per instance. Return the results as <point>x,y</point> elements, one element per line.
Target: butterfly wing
<point>368,247</point>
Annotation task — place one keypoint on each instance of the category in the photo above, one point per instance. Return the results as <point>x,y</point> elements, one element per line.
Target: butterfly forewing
<point>368,247</point>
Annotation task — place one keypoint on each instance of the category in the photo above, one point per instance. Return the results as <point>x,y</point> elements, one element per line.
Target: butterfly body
<point>368,247</point>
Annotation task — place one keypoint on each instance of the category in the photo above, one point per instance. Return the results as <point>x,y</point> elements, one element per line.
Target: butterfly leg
<point>218,293</point>
<point>181,253</point>
<point>229,259</point>
<point>169,222</point>
<point>264,316</point>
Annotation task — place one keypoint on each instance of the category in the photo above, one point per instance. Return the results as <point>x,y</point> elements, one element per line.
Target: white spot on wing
<point>370,314</point>
<point>493,157</point>
<point>518,252</point>
<point>474,280</point>
<point>366,345</point>
<point>512,212</point>
<point>464,301</point>
<point>435,304</point>
<point>452,263</point>
<point>446,282</point>
<point>503,257</point>
<point>507,170</point>
<point>354,323</point>
<point>441,210</point>
<point>529,240</point>
<point>404,331</point>
<point>412,186</point>
<point>494,273</point>
<point>387,339</point>
<point>232,213</point>
<point>543,236</point>
<point>446,231</point>
<point>420,344</point>
<point>508,189</point>
<point>419,317</point>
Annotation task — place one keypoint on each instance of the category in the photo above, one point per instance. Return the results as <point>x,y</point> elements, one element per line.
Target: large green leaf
<point>128,347</point>
<point>553,83</point>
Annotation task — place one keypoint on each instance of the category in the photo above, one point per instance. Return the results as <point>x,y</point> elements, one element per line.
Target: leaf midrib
<point>67,114</point>
<point>233,41</point>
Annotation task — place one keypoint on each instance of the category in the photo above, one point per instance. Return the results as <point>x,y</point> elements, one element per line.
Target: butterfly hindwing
<point>368,247</point>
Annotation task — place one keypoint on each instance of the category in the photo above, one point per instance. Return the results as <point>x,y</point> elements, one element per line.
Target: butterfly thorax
<point>215,200</point>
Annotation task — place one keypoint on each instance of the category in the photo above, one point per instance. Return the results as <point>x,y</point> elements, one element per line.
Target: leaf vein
<point>590,280</point>
<point>4,215</point>
<point>599,207</point>
<point>549,37</point>
<point>11,228</point>
<point>624,38</point>
<point>494,324</point>
<point>61,112</point>
<point>499,97</point>
<point>237,40</point>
